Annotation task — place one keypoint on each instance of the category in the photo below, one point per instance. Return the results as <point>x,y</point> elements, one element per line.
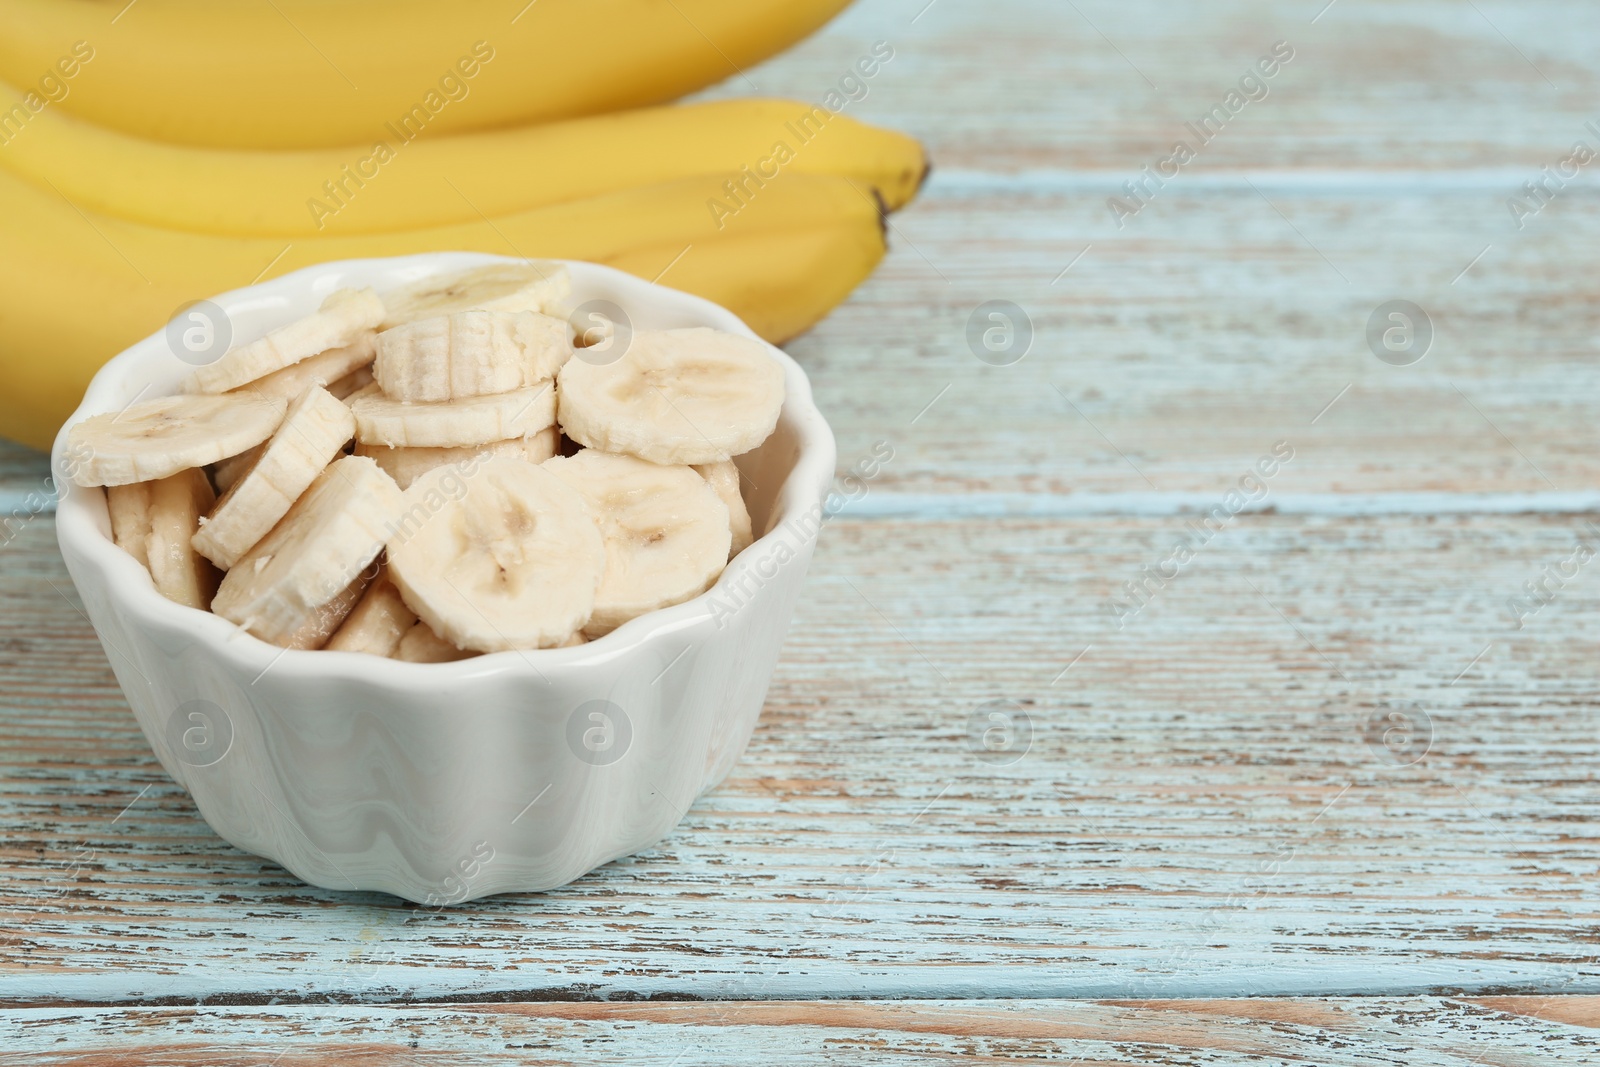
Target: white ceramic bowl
<point>443,782</point>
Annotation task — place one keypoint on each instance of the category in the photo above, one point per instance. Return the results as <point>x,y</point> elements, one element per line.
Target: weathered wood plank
<point>1020,85</point>
<point>1175,353</point>
<point>24,480</point>
<point>1417,1031</point>
<point>1211,324</point>
<point>1221,317</point>
<point>1206,807</point>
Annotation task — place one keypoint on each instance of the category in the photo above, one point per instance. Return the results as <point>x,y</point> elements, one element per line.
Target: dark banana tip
<point>927,169</point>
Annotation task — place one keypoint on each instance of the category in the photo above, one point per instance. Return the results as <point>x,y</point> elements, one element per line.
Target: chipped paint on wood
<point>1203,806</point>
<point>1330,1032</point>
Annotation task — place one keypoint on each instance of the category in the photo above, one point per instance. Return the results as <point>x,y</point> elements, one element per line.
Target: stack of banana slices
<point>441,471</point>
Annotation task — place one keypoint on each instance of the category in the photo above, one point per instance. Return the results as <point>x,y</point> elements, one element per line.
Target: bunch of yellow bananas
<point>157,153</point>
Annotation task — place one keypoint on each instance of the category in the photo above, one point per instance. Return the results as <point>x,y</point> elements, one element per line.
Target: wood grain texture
<point>1232,310</point>
<point>1417,1031</point>
<point>24,480</point>
<point>1214,799</point>
<point>1173,355</point>
<point>1176,352</point>
<point>1013,86</point>
<point>1204,807</point>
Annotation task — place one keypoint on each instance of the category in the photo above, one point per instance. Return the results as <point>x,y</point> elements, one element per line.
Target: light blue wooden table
<point>1215,846</point>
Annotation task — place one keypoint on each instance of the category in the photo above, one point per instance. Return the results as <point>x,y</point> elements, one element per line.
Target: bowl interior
<point>784,477</point>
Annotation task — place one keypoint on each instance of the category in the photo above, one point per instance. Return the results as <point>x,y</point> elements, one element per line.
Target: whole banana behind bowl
<point>390,184</point>
<point>309,73</point>
<point>185,148</point>
<point>77,287</point>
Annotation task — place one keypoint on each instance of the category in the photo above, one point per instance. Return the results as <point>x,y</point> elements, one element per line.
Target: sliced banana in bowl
<point>674,396</point>
<point>726,481</point>
<point>405,465</point>
<point>529,285</point>
<point>341,321</point>
<point>314,431</point>
<point>154,522</point>
<point>382,420</point>
<point>470,353</point>
<point>336,365</point>
<point>420,644</point>
<point>161,437</point>
<point>666,533</point>
<point>455,389</point>
<point>312,555</point>
<point>452,619</point>
<point>506,556</point>
<point>376,623</point>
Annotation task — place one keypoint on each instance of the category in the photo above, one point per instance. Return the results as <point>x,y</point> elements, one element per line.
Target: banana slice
<point>533,285</point>
<point>324,368</point>
<point>344,316</point>
<point>421,645</point>
<point>376,624</point>
<point>313,432</point>
<point>674,396</point>
<point>666,533</point>
<point>724,480</point>
<point>328,618</point>
<point>406,465</point>
<point>225,472</point>
<point>161,437</point>
<point>473,421</point>
<point>366,388</point>
<point>506,558</point>
<point>176,504</point>
<point>351,383</point>
<point>129,508</point>
<point>312,555</point>
<point>149,521</point>
<point>470,353</point>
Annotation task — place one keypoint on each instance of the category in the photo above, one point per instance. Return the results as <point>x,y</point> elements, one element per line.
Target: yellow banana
<point>76,287</point>
<point>307,73</point>
<point>780,283</point>
<point>391,185</point>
